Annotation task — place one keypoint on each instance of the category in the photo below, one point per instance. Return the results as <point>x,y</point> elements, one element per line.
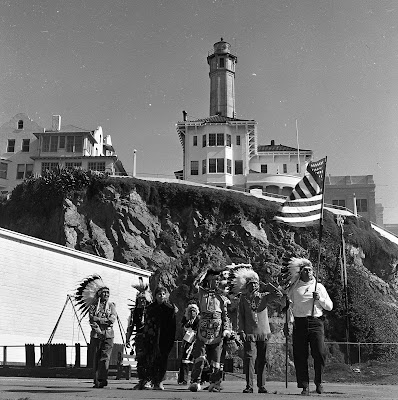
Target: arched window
<point>20,124</point>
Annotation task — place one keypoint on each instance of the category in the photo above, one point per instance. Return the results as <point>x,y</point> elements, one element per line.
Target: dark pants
<point>212,352</point>
<point>102,349</point>
<point>186,361</point>
<point>308,330</point>
<point>159,368</point>
<point>255,350</point>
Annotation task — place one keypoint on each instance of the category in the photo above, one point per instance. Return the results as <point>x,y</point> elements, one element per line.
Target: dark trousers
<point>308,330</point>
<point>213,353</point>
<point>159,368</point>
<point>102,349</point>
<point>255,350</point>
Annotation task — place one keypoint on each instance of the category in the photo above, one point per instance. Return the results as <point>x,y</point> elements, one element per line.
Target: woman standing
<point>189,322</point>
<point>159,333</point>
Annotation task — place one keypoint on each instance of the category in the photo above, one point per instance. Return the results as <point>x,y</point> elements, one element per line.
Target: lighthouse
<point>222,80</point>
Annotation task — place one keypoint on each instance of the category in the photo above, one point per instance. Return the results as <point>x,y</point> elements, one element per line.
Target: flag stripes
<point>304,206</point>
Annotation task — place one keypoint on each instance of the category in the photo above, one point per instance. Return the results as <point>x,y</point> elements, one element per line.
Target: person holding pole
<point>308,299</point>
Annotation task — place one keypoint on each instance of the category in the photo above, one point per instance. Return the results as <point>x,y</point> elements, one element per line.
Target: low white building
<point>36,278</point>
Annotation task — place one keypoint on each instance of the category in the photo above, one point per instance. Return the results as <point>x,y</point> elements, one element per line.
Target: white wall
<point>36,276</point>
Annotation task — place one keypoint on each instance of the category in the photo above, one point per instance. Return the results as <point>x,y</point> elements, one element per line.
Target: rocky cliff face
<point>176,239</point>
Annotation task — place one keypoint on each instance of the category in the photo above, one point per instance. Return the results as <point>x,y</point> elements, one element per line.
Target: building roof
<point>216,119</point>
<point>349,180</point>
<point>276,147</point>
<point>70,129</point>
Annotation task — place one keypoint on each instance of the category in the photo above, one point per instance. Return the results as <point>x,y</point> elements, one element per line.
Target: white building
<point>222,150</point>
<point>36,278</point>
<point>26,148</point>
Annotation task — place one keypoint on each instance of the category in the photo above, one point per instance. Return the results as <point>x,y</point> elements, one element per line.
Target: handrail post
<point>4,355</point>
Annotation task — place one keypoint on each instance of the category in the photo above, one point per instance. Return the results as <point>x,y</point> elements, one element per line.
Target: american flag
<point>304,205</point>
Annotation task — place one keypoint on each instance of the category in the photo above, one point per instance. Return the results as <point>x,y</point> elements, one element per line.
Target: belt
<point>310,317</point>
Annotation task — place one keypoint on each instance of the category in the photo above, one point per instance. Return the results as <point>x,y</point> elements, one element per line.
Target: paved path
<point>68,389</point>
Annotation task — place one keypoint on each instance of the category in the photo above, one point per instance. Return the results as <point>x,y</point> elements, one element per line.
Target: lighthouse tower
<point>222,80</point>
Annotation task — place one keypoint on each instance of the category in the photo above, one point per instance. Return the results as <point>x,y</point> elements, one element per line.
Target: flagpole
<point>320,233</point>
<point>298,148</point>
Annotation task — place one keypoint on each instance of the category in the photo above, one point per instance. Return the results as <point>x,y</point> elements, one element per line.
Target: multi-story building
<point>26,148</point>
<point>357,193</point>
<point>223,150</point>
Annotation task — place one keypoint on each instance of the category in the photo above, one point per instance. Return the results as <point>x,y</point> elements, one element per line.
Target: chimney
<point>184,115</point>
<point>272,142</point>
<point>56,123</point>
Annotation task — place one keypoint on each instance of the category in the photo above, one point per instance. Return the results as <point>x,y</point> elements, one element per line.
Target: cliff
<point>177,230</point>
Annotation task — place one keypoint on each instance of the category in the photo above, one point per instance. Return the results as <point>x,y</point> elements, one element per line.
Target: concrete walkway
<point>67,389</point>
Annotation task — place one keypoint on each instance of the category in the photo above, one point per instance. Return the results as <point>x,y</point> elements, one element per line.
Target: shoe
<point>262,389</point>
<point>248,390</point>
<point>305,391</point>
<point>194,387</point>
<point>319,388</point>
<point>183,383</point>
<point>141,385</point>
<point>214,387</point>
<point>158,386</point>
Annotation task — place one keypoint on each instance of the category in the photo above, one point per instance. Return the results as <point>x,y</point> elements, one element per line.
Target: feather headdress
<point>87,292</point>
<point>190,307</point>
<point>143,290</point>
<point>290,273</point>
<point>240,276</point>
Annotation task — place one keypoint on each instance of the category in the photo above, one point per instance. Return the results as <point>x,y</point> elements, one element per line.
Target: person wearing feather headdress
<point>214,325</point>
<point>136,321</point>
<point>158,336</point>
<point>189,322</point>
<point>92,296</point>
<point>253,323</point>
<point>308,300</point>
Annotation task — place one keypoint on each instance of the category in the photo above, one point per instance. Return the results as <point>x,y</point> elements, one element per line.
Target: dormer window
<point>20,124</point>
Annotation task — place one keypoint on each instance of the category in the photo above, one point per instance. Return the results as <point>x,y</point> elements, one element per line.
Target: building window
<point>61,142</point>
<point>212,165</point>
<point>238,140</point>
<point>11,146</point>
<point>204,167</point>
<point>204,141</point>
<point>24,171</point>
<point>53,144</point>
<point>20,124</point>
<point>298,168</point>
<point>264,168</point>
<point>238,167</point>
<point>194,167</point>
<point>70,141</point>
<point>285,168</point>
<point>78,144</point>
<point>25,145</point>
<point>220,139</point>
<point>97,166</point>
<point>3,170</point>
<point>212,139</point>
<point>222,63</point>
<point>195,140</point>
<point>229,166</point>
<point>46,144</point>
<point>339,203</point>
<point>229,140</point>
<point>73,165</point>
<point>220,165</point>
<point>362,205</point>
<point>48,166</point>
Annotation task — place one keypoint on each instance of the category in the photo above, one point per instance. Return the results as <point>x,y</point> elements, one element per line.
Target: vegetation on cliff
<point>177,230</point>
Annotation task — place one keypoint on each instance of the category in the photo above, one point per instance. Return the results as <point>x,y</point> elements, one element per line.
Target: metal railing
<point>341,352</point>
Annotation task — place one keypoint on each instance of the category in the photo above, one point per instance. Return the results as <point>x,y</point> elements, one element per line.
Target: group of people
<point>207,327</point>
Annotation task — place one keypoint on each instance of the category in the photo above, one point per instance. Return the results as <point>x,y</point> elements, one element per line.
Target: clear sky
<point>133,66</point>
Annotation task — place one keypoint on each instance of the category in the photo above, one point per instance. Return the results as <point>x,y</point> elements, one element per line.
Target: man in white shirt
<point>309,298</point>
